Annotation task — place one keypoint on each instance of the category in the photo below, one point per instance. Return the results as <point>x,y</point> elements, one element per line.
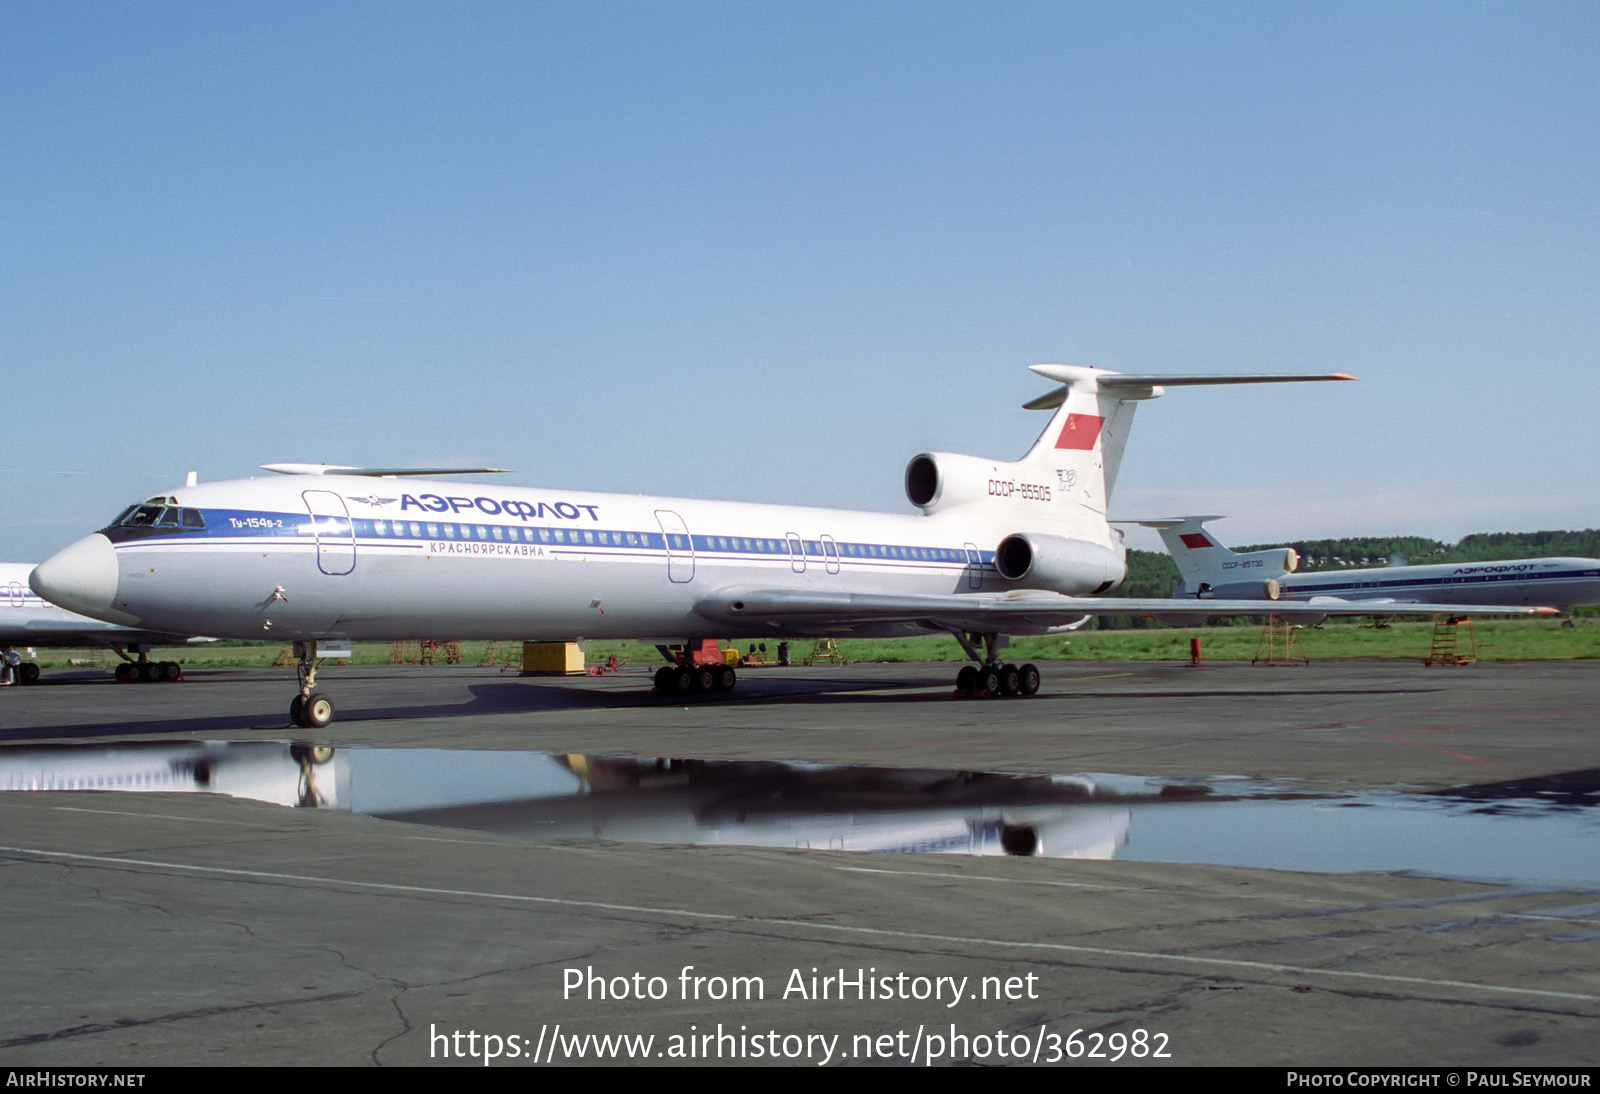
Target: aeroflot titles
<point>433,503</point>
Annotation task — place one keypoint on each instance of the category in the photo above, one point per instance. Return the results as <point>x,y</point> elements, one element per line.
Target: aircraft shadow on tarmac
<point>521,695</point>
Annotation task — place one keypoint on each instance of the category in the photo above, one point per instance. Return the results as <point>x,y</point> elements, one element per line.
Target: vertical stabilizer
<point>1210,569</point>
<point>1081,449</point>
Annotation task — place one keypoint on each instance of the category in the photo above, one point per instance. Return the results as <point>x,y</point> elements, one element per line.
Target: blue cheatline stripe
<point>244,526</point>
<point>1439,582</point>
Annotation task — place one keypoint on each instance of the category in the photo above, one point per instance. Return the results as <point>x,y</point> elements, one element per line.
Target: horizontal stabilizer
<point>1141,385</point>
<point>1165,522</point>
<point>375,472</point>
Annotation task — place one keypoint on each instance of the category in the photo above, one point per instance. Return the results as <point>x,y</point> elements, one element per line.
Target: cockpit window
<point>163,513</point>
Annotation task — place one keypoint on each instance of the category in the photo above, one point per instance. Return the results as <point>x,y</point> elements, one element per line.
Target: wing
<point>1019,612</point>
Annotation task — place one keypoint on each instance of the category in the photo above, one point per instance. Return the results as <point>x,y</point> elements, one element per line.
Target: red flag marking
<point>1080,432</point>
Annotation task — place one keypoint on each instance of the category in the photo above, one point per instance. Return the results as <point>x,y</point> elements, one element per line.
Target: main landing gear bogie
<point>987,681</point>
<point>148,672</point>
<point>700,680</point>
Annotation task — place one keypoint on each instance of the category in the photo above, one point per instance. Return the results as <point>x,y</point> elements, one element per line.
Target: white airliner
<point>27,619</point>
<point>359,553</point>
<point>1211,570</point>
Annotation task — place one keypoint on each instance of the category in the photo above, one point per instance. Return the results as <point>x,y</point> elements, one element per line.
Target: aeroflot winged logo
<point>1080,432</point>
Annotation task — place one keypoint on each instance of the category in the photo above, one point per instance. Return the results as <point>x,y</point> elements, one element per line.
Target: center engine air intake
<point>1059,564</point>
<point>922,481</point>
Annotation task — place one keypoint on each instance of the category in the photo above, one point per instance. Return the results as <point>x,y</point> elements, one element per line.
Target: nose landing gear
<point>310,709</point>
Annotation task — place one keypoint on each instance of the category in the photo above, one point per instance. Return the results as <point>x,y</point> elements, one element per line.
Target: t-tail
<point>1211,571</point>
<point>1051,504</point>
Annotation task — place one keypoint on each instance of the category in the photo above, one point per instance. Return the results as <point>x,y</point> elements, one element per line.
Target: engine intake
<point>1059,564</point>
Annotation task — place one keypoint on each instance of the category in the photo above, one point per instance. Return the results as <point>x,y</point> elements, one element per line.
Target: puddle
<point>1542,831</point>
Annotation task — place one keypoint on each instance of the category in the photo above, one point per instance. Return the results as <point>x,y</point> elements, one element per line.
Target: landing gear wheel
<point>170,670</point>
<point>726,678</point>
<point>127,671</point>
<point>666,680</point>
<point>1010,681</point>
<point>1030,679</point>
<point>705,678</point>
<point>297,711</point>
<point>989,679</point>
<point>967,679</point>
<point>149,671</point>
<point>318,710</point>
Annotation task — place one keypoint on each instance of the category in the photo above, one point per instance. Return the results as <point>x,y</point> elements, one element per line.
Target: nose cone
<point>82,578</point>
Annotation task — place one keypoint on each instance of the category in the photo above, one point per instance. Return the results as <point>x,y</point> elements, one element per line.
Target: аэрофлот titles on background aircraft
<point>999,548</point>
<point>1211,570</point>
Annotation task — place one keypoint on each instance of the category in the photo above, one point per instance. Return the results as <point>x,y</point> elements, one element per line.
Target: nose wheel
<point>310,709</point>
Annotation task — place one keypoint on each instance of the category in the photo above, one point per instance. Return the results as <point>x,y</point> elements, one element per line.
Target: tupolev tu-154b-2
<point>341,553</point>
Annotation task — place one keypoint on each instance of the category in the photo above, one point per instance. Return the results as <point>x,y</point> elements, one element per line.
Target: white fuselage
<point>1554,582</point>
<point>362,558</point>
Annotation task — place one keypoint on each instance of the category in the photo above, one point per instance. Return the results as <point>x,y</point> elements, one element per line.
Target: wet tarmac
<point>1339,864</point>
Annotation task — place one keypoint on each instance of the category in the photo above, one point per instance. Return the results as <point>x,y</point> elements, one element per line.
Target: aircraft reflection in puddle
<point>807,805</point>
<point>624,798</point>
<point>1543,830</point>
<point>284,774</point>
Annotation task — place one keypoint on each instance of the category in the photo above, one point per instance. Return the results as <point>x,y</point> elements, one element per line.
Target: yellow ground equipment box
<point>552,659</point>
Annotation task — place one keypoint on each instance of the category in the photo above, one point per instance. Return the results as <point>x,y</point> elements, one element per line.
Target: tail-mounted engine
<point>1259,589</point>
<point>1059,564</point>
<point>936,481</point>
<point>939,480</point>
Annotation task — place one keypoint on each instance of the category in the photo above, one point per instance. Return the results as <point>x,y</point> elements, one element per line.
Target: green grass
<point>1497,640</point>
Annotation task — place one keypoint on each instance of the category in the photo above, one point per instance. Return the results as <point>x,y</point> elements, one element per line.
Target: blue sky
<point>772,250</point>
